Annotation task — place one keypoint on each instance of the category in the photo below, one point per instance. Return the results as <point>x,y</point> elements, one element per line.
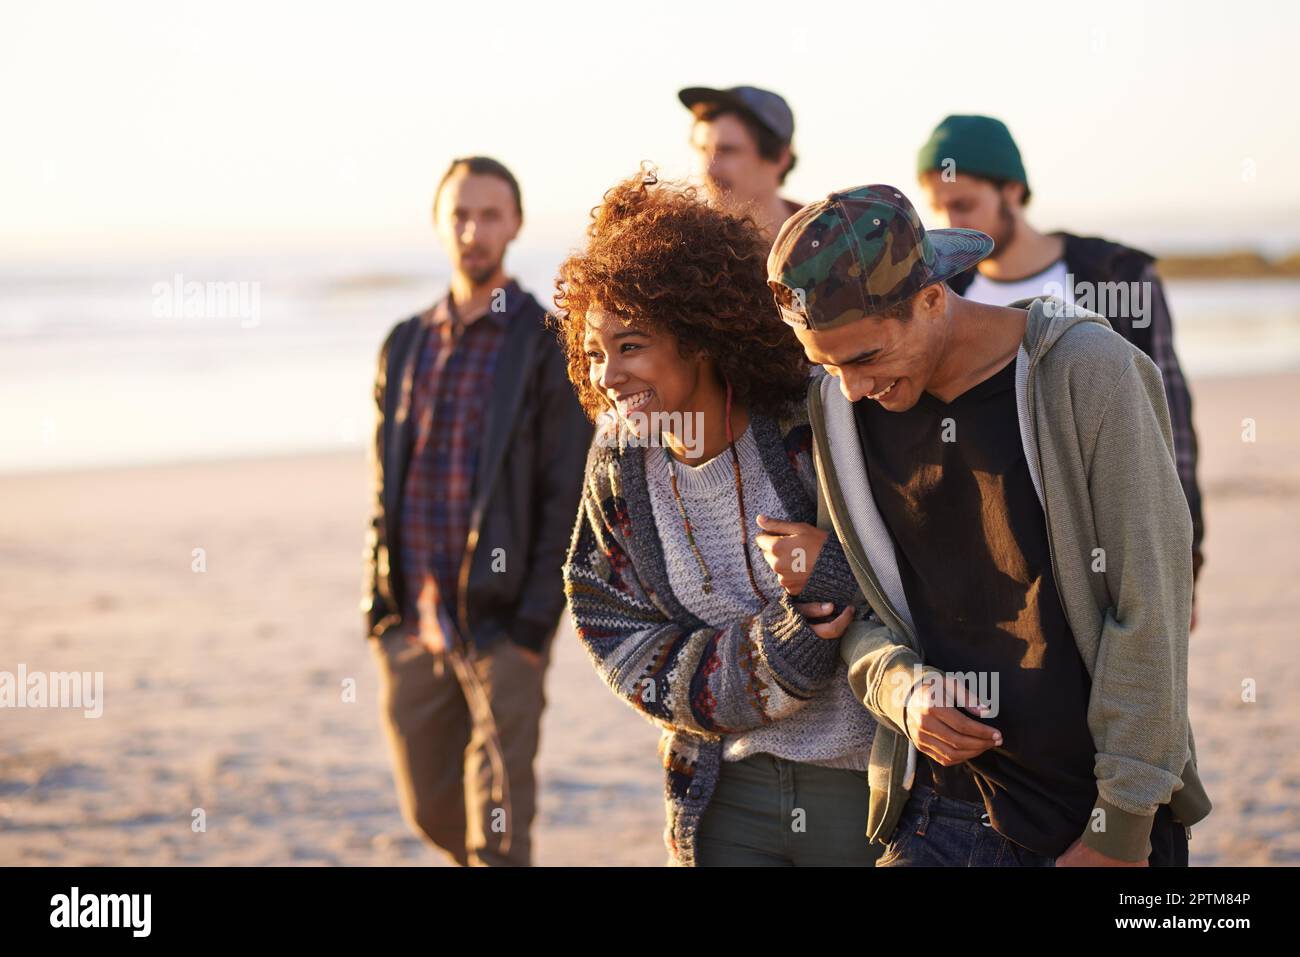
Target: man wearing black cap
<point>742,139</point>
<point>973,177</point>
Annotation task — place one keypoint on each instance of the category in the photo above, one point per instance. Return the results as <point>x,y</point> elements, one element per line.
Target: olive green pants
<point>770,812</point>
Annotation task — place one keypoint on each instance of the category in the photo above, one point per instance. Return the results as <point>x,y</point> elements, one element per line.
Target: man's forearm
<point>882,671</point>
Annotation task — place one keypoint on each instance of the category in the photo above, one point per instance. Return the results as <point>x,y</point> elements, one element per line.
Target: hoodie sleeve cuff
<point>884,693</point>
<point>1120,834</point>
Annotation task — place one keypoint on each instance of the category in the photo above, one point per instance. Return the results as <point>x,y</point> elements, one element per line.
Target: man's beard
<point>1006,228</point>
<point>480,275</point>
<point>719,193</point>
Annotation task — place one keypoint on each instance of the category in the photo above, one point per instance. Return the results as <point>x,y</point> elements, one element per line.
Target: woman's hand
<point>832,629</point>
<point>791,548</point>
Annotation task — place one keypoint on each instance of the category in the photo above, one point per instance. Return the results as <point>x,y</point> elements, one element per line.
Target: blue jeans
<point>937,831</point>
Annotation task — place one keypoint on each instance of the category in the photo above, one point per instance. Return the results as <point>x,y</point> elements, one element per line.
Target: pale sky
<point>173,126</point>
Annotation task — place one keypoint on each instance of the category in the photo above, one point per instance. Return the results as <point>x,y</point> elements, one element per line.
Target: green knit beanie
<point>979,145</point>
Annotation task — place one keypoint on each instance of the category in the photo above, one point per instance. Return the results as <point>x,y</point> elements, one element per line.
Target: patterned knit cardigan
<point>696,680</point>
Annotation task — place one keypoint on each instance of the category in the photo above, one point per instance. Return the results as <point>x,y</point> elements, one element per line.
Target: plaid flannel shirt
<point>448,401</point>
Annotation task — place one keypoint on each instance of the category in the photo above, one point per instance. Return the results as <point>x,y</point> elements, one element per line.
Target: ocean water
<point>131,364</point>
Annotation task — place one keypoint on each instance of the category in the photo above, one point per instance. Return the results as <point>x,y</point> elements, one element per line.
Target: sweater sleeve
<point>832,578</point>
<point>683,676</point>
<point>1137,710</point>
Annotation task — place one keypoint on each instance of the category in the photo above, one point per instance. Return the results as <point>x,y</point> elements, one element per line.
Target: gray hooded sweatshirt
<point>1095,427</point>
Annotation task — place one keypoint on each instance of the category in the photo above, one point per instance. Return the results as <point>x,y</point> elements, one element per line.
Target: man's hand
<point>1079,854</point>
<point>532,657</point>
<point>791,548</point>
<point>430,640</point>
<point>832,629</point>
<point>939,729</point>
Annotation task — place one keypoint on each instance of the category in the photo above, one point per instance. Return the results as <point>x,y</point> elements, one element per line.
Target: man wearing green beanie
<point>973,177</point>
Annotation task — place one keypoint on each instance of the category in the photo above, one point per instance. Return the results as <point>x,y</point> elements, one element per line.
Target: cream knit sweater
<point>832,729</point>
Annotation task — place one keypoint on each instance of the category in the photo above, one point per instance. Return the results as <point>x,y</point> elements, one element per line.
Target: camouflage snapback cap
<point>859,251</point>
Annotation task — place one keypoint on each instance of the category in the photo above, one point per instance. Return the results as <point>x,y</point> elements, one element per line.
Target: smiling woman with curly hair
<point>672,338</point>
<point>660,258</point>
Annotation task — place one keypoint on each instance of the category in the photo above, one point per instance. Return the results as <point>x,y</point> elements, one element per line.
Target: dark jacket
<point>1093,261</point>
<point>529,479</point>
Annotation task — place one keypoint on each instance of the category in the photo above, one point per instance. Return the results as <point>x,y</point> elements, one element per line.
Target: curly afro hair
<point>659,256</point>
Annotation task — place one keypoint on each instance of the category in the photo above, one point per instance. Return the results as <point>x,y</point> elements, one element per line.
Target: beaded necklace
<point>744,522</point>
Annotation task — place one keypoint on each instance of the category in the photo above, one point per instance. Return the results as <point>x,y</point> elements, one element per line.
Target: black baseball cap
<point>768,108</point>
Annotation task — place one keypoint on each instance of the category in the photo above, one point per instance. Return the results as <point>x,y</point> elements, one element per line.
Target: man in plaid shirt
<point>478,458</point>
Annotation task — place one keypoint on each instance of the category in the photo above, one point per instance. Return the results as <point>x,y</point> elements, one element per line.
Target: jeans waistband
<point>931,802</point>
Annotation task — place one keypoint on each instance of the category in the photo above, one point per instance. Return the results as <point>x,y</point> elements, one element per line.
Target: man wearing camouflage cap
<point>1002,480</point>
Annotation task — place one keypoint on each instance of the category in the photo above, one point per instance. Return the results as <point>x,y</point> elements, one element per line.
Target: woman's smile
<point>630,402</point>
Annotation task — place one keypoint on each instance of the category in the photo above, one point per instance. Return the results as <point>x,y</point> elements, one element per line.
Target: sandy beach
<point>226,690</point>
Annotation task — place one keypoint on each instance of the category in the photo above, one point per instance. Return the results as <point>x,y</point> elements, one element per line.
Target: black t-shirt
<point>951,483</point>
